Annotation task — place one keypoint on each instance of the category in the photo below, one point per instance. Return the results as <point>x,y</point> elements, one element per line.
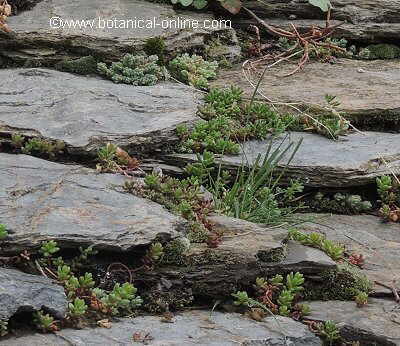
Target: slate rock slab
<point>236,263</point>
<point>378,242</point>
<point>21,292</point>
<point>35,42</point>
<point>365,20</point>
<point>374,324</point>
<point>86,112</point>
<point>41,200</point>
<point>189,328</point>
<point>353,160</point>
<point>367,90</point>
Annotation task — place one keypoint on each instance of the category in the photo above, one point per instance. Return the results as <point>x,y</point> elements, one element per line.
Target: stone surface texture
<point>189,328</point>
<point>34,41</point>
<point>353,160</point>
<point>41,200</point>
<point>20,292</point>
<point>377,323</point>
<point>378,242</point>
<point>364,20</point>
<point>86,113</point>
<point>367,90</point>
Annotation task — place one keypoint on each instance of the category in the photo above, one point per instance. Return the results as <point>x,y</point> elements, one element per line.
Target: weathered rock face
<point>34,41</point>
<point>189,328</point>
<point>366,20</point>
<point>86,113</point>
<point>215,273</point>
<point>20,292</point>
<point>366,89</point>
<point>374,324</point>
<point>41,200</point>
<point>353,160</point>
<point>378,242</point>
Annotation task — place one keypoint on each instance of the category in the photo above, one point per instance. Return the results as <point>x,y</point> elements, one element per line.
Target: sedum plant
<point>193,70</point>
<point>44,322</point>
<point>228,120</point>
<point>77,308</point>
<point>3,232</point>
<point>122,299</point>
<point>135,70</point>
<point>317,240</point>
<point>389,192</point>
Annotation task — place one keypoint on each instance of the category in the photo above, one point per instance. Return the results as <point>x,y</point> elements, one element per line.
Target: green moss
<point>174,251</point>
<point>83,66</point>
<point>161,301</point>
<point>156,46</point>
<point>380,51</point>
<point>198,233</point>
<point>273,255</point>
<point>341,284</point>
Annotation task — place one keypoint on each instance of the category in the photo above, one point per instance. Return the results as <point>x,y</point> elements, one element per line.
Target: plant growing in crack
<point>389,192</point>
<point>3,232</point>
<point>276,296</point>
<point>317,240</point>
<point>193,70</point>
<point>44,322</point>
<point>137,70</point>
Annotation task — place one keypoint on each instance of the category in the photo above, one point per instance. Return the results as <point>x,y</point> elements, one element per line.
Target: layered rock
<point>353,160</point>
<point>36,41</point>
<point>25,293</point>
<point>374,324</point>
<point>86,113</point>
<point>377,242</point>
<point>188,328</point>
<point>366,89</point>
<point>365,20</point>
<point>43,201</point>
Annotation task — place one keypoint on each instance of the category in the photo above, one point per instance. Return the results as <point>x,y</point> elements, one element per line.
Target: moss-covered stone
<point>380,51</point>
<point>174,251</point>
<point>161,301</point>
<point>341,284</point>
<point>85,65</point>
<point>273,255</point>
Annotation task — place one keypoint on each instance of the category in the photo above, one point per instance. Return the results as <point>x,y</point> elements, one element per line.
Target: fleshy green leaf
<point>324,5</point>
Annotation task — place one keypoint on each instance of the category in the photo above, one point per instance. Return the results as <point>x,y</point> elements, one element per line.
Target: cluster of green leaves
<point>317,240</point>
<point>81,290</point>
<point>361,299</point>
<point>135,70</point>
<point>389,193</point>
<point>121,300</point>
<point>193,70</point>
<point>3,328</point>
<point>44,322</point>
<point>254,194</point>
<point>339,203</point>
<point>229,119</point>
<point>275,296</point>
<point>37,146</point>
<point>182,197</point>
<point>329,331</point>
<point>3,232</point>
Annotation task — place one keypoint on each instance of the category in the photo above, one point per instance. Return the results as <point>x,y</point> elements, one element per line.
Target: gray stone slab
<point>374,324</point>
<point>87,112</point>
<point>378,242</point>
<point>367,90</point>
<point>20,292</point>
<point>34,41</point>
<point>189,328</point>
<point>352,160</point>
<point>41,200</point>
